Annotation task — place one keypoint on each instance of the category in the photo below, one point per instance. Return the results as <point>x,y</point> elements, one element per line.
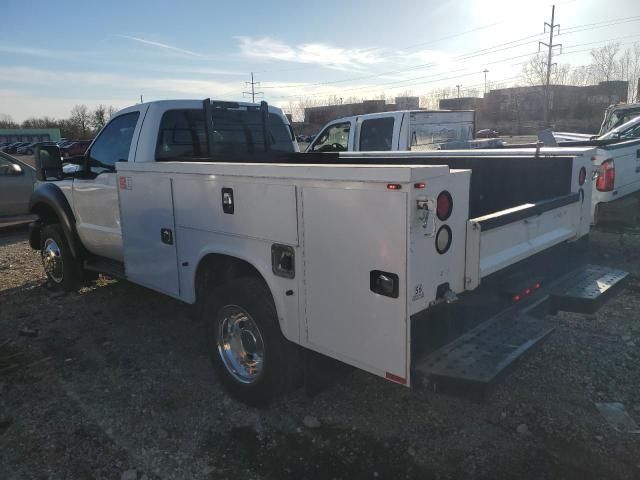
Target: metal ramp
<point>481,355</point>
<point>585,289</point>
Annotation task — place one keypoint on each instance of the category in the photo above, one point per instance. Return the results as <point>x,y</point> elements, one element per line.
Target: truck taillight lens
<point>444,205</point>
<point>606,176</point>
<point>582,176</point>
<point>443,239</point>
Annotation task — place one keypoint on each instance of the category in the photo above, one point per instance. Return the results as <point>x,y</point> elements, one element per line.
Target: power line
<point>550,46</point>
<point>253,92</point>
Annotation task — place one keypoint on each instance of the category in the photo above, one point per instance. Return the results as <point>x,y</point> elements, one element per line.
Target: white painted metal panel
<point>427,268</point>
<point>146,207</point>
<point>347,234</point>
<point>508,244</point>
<point>261,210</point>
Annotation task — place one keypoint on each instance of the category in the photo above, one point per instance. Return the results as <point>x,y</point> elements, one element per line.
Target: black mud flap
<point>472,362</point>
<point>585,289</point>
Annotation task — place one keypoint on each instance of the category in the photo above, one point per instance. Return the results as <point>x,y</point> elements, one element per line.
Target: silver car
<point>16,185</point>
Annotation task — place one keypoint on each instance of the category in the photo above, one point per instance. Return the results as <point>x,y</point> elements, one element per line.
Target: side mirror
<point>48,162</point>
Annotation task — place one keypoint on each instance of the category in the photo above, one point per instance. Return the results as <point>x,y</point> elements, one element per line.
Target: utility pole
<point>458,87</point>
<point>253,92</point>
<point>485,80</point>
<point>550,46</point>
<point>141,98</point>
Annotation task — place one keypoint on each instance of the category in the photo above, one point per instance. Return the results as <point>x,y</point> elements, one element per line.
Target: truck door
<point>377,133</point>
<point>16,185</point>
<point>336,137</point>
<point>95,195</point>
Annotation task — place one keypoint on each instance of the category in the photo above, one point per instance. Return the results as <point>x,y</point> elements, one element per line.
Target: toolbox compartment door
<point>148,231</point>
<point>348,234</point>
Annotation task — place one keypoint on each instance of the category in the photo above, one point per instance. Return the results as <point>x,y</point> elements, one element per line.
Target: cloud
<point>268,48</point>
<point>37,52</point>
<point>165,46</point>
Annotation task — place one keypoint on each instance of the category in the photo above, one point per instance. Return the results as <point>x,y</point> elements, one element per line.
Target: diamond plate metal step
<point>585,289</point>
<point>482,354</point>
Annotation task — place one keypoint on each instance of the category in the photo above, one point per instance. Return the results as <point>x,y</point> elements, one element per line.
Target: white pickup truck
<point>379,260</point>
<point>616,155</point>
<point>415,130</point>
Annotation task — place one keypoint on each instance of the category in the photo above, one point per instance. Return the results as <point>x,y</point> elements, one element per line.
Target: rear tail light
<point>582,176</point>
<point>526,292</point>
<point>444,205</point>
<point>443,239</point>
<point>606,176</point>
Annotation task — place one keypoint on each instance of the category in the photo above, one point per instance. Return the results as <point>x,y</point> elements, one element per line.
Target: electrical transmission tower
<point>550,46</point>
<point>253,92</point>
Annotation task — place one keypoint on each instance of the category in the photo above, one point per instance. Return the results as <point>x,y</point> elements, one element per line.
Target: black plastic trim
<point>521,212</point>
<point>375,288</point>
<point>50,195</point>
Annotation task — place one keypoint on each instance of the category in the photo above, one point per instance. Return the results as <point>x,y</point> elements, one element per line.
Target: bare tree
<point>580,76</point>
<point>6,121</point>
<point>534,72</point>
<point>629,70</point>
<point>80,119</point>
<point>604,64</point>
<point>99,117</point>
<point>44,122</point>
<point>111,110</point>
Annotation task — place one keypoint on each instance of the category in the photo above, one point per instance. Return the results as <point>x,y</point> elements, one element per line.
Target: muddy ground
<point>114,382</point>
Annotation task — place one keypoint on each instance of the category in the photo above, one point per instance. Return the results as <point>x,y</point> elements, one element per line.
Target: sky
<point>55,54</point>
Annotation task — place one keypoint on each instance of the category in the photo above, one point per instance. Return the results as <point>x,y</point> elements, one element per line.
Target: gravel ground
<point>114,382</point>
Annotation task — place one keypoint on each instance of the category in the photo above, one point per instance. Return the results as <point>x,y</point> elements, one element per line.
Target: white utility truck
<point>415,266</point>
<point>415,130</point>
<point>614,117</point>
<point>616,156</point>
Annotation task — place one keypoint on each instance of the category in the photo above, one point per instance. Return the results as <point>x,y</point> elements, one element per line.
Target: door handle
<point>166,235</point>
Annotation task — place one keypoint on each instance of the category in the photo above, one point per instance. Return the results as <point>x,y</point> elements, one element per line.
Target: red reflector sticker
<point>396,378</point>
<point>394,186</point>
<point>420,185</point>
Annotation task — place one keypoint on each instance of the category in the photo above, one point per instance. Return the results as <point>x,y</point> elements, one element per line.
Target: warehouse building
<point>29,135</point>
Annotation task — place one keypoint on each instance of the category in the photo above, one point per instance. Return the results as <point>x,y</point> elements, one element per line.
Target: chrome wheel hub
<point>240,344</point>
<point>52,260</point>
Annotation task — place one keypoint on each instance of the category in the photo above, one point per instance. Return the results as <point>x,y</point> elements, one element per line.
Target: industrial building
<point>29,135</point>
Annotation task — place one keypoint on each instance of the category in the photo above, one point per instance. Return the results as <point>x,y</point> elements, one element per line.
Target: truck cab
<point>86,191</point>
<point>399,130</point>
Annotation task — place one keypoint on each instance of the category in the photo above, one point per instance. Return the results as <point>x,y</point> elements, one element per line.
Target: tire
<point>258,364</point>
<point>62,268</point>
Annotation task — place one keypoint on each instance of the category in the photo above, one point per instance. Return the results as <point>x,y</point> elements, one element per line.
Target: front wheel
<point>254,360</point>
<point>62,269</point>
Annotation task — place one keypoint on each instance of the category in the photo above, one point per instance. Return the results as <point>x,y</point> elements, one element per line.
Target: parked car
<point>76,148</point>
<point>14,147</point>
<point>22,149</point>
<point>487,133</point>
<point>30,149</point>
<point>16,184</point>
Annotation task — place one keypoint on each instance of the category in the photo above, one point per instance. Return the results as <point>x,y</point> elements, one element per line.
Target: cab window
<point>182,133</point>
<point>334,138</point>
<point>376,134</point>
<point>114,141</point>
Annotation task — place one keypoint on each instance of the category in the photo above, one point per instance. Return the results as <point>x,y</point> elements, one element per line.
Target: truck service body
<point>357,256</point>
